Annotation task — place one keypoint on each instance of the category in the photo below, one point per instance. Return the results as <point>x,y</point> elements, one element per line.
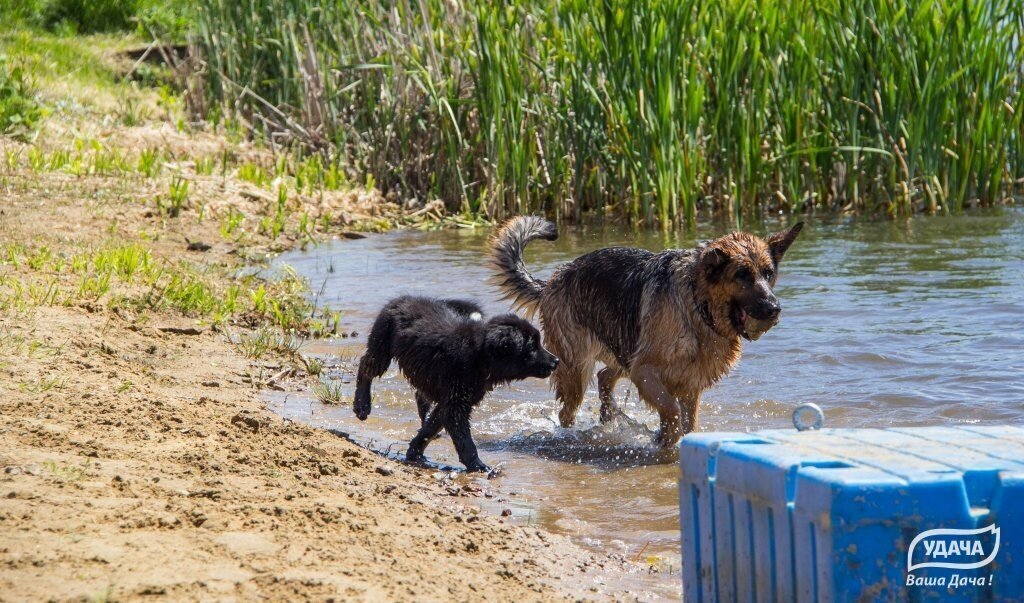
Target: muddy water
<point>918,322</point>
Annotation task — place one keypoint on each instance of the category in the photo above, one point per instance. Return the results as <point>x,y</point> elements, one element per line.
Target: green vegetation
<point>128,277</point>
<point>314,366</point>
<point>328,391</point>
<point>260,342</point>
<point>649,109</point>
<point>19,110</point>
<point>96,16</point>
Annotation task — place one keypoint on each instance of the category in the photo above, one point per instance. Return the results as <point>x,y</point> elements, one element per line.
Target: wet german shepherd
<point>671,321</point>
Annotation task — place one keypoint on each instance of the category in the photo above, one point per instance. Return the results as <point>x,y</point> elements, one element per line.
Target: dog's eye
<point>768,274</point>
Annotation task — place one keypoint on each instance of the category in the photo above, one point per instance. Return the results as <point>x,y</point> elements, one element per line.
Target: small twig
<point>641,552</point>
<point>140,61</point>
<point>280,375</point>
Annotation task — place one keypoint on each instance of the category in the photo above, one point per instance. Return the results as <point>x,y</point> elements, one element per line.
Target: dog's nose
<point>767,310</point>
<point>554,362</point>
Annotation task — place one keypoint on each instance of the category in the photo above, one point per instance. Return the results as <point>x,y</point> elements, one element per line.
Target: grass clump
<point>258,343</point>
<point>649,109</point>
<point>327,391</point>
<point>177,198</point>
<point>314,366</point>
<point>19,111</point>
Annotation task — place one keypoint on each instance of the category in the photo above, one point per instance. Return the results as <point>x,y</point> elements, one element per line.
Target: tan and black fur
<point>671,322</point>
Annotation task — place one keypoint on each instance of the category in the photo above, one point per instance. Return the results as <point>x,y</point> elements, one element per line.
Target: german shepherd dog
<point>453,358</point>
<point>671,321</point>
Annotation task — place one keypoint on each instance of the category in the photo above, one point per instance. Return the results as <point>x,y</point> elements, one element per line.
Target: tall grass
<point>650,109</point>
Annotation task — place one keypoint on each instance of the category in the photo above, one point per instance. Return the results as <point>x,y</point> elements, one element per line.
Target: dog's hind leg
<point>374,362</point>
<point>570,381</point>
<point>423,405</point>
<point>457,424</point>
<point>606,380</point>
<point>432,426</point>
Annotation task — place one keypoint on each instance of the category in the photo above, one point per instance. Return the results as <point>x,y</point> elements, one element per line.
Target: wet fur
<point>672,322</point>
<point>453,358</point>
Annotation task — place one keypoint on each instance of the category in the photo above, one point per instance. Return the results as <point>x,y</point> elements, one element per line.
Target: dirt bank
<point>136,460</point>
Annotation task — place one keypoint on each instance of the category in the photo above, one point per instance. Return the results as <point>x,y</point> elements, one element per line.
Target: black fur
<point>453,359</point>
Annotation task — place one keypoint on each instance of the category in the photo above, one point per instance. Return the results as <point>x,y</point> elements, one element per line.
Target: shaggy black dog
<point>453,358</point>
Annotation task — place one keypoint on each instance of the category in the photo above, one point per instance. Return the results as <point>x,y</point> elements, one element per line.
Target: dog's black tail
<point>507,246</point>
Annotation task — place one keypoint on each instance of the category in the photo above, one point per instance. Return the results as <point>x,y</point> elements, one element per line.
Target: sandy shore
<point>136,459</point>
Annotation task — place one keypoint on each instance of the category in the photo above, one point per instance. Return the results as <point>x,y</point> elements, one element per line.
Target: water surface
<point>917,322</point>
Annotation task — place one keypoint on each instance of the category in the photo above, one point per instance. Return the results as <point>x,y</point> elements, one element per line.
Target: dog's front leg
<point>432,426</point>
<point>457,425</point>
<point>647,379</point>
<point>689,403</point>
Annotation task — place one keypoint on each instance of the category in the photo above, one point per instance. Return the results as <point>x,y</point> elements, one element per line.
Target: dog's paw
<point>361,407</point>
<point>667,439</point>
<point>611,413</point>
<point>477,466</point>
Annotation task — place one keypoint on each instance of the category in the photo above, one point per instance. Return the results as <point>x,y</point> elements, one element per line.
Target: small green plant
<point>190,296</point>
<point>327,391</point>
<point>67,472</point>
<point>256,344</point>
<point>314,366</point>
<point>177,199</point>
<point>43,385</point>
<point>129,111</point>
<point>125,261</point>
<point>288,343</point>
<point>93,286</point>
<point>106,162</point>
<point>254,173</point>
<point>59,159</point>
<point>149,162</point>
<point>259,343</point>
<point>36,160</point>
<point>231,223</point>
<point>274,226</point>
<point>169,101</point>
<point>205,165</point>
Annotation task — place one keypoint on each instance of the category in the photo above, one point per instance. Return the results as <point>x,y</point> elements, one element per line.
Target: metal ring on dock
<point>808,416</point>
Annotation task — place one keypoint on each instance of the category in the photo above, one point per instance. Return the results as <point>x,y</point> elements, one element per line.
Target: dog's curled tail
<point>507,245</point>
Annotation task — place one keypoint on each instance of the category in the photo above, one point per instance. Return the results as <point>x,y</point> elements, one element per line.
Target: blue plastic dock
<point>831,515</point>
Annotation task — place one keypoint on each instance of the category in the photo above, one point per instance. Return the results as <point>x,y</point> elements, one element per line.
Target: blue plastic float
<point>915,514</point>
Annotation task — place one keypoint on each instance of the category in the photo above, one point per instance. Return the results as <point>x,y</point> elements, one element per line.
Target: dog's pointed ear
<point>779,242</point>
<point>711,262</point>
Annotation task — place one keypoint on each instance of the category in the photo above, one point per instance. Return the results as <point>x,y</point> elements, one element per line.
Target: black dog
<point>453,358</point>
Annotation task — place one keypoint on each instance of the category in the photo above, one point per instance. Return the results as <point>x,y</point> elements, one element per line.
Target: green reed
<point>653,110</point>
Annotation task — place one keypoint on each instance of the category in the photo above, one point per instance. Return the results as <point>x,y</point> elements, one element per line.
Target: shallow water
<point>917,322</point>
